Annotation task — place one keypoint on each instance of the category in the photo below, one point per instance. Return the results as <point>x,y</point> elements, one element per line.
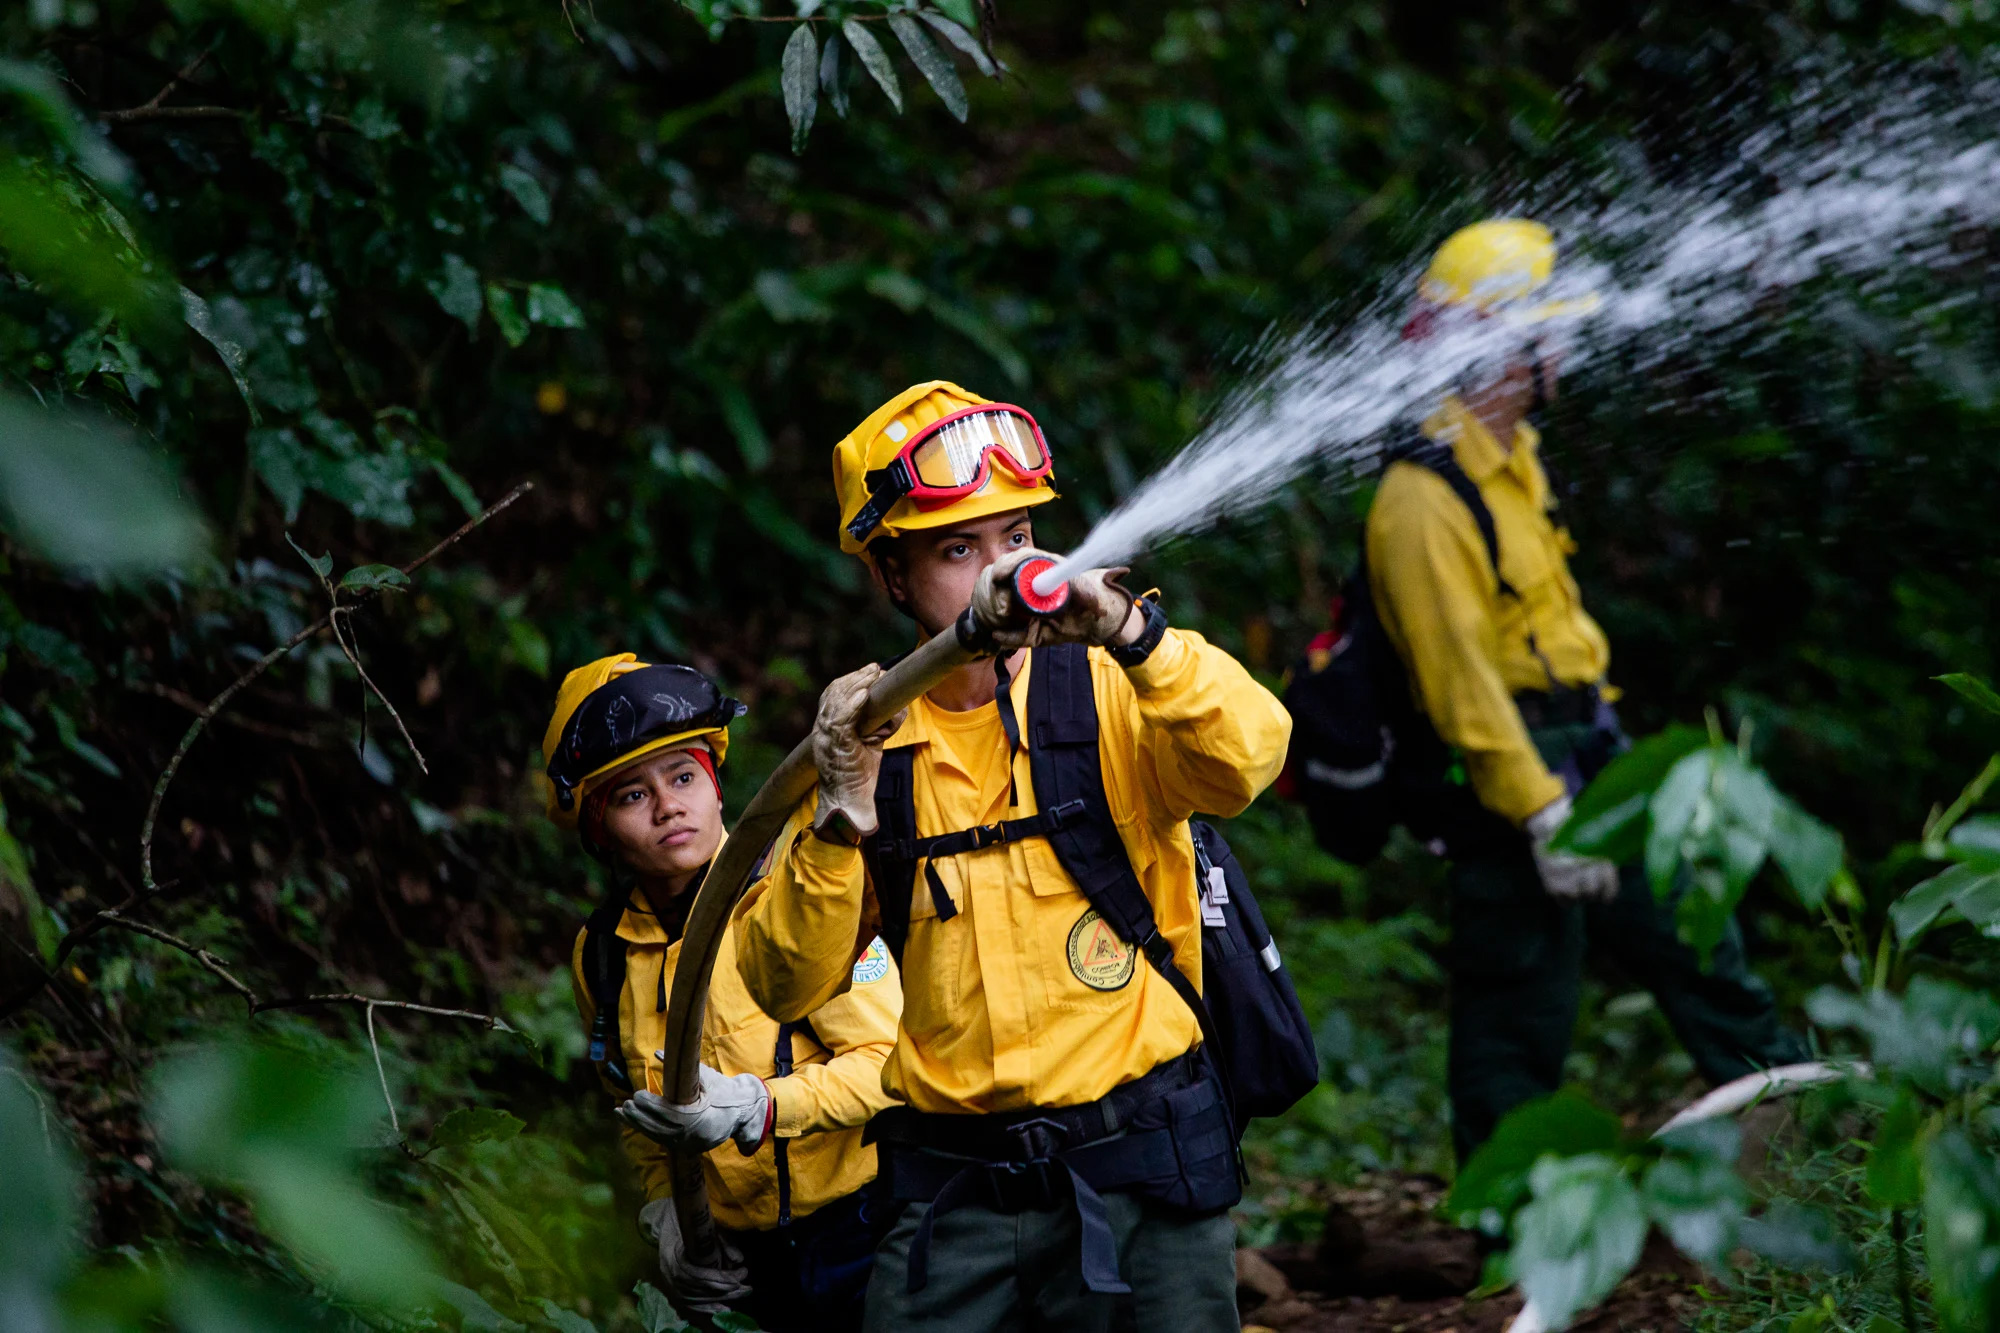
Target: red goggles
<point>952,458</point>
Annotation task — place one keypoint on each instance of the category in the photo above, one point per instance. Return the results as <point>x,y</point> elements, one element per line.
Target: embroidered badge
<point>1098,958</point>
<point>873,964</point>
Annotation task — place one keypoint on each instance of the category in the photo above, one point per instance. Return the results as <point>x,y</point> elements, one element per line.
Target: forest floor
<point>1387,1263</point>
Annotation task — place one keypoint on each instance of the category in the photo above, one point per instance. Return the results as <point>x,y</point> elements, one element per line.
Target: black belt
<point>1036,1159</point>
<point>1570,706</point>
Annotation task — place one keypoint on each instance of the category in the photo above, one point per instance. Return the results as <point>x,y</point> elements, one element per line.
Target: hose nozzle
<point>1039,603</point>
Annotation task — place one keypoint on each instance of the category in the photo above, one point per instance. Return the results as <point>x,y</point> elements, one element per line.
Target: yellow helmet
<point>630,715</point>
<point>877,467</point>
<point>1494,267</point>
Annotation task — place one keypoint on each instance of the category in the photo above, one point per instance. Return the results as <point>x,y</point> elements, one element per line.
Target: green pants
<point>1022,1271</point>
<point>1516,961</point>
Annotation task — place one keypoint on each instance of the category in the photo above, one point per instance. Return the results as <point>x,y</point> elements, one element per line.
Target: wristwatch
<point>1132,654</point>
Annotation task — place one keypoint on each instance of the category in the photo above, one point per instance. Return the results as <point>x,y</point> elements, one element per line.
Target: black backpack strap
<point>890,851</point>
<point>1068,771</point>
<point>781,1067</point>
<point>1438,457</point>
<point>604,979</point>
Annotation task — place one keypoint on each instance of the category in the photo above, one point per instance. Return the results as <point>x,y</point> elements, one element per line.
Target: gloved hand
<point>725,1107</point>
<point>1097,610</point>
<point>847,760</point>
<point>1566,875</point>
<point>708,1290</point>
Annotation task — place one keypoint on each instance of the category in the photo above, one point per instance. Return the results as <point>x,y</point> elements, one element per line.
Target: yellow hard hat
<point>1494,267</point>
<point>665,708</point>
<point>864,458</point>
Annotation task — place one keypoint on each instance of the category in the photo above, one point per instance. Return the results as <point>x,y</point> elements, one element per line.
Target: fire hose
<point>729,874</point>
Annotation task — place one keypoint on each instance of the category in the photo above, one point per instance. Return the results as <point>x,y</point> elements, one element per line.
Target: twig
<point>387,1100</point>
<point>137,114</point>
<point>353,656</point>
<point>186,72</point>
<point>194,951</point>
<point>493,1023</point>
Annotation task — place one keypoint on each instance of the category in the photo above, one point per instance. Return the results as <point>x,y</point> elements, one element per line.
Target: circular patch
<point>873,964</point>
<point>1097,957</point>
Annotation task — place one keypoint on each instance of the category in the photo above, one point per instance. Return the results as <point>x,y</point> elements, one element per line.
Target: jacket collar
<point>1481,455</point>
<point>640,925</point>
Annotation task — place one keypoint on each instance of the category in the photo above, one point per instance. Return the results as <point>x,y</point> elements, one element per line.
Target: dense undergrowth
<point>412,256</point>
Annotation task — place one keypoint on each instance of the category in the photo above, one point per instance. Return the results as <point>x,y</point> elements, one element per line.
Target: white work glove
<point>848,761</point>
<point>724,1107</point>
<point>706,1290</point>
<point>1097,609</point>
<point>1566,875</point>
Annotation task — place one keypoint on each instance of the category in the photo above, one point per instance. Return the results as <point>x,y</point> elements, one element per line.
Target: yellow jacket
<point>834,1088</point>
<point>1024,998</point>
<point>1470,649</point>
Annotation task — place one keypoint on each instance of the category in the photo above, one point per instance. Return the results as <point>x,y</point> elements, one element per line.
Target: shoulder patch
<point>873,964</point>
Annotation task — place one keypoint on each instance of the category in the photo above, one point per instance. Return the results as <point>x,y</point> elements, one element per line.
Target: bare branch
<point>138,114</point>
<point>194,951</point>
<point>304,739</point>
<point>354,656</point>
<point>394,1122</point>
<point>493,1024</point>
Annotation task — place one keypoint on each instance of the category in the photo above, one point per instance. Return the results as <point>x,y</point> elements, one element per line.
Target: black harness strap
<point>781,1067</point>
<point>1437,457</point>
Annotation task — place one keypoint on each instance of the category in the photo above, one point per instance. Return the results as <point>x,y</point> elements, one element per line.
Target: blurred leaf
<point>1794,1237</point>
<point>457,290</point>
<point>1972,688</point>
<point>1929,1033</point>
<point>831,75</point>
<point>1495,1180</point>
<point>873,59</point>
<point>1808,851</point>
<point>1578,1237</point>
<point>1962,1232</point>
<point>196,313</point>
<point>788,303</point>
<point>38,1207</point>
<point>1915,911</point>
<point>83,493</point>
<point>377,578</point>
<point>1609,818</point>
<point>529,646</point>
<point>1895,1176</point>
<point>66,733</point>
<point>957,31</point>
<point>527,192</point>
<point>475,1124</point>
<point>64,236</point>
<point>283,1128</point>
<point>38,90</point>
<point>932,63</point>
<point>507,316</point>
<point>656,1313</point>
<point>1699,1201</point>
<point>799,81</point>
<point>460,489</point>
<point>740,415</point>
<point>549,304</point>
<point>569,1321</point>
<point>476,1315</point>
<point>14,872</point>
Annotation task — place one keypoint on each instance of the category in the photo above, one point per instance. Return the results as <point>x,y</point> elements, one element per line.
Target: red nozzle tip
<point>1024,587</point>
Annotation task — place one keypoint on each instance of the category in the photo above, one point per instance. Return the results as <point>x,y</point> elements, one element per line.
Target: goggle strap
<point>886,486</point>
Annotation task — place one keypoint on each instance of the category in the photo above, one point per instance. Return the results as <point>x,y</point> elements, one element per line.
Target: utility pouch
<point>1205,1179</point>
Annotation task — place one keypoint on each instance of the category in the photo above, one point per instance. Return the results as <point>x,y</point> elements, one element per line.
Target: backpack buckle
<point>1038,1139</point>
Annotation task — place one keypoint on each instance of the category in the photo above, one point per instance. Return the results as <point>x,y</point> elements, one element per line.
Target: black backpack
<point>1363,757</point>
<point>1257,1036</point>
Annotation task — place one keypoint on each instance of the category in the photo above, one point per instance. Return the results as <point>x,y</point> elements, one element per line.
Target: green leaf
<point>788,303</point>
<point>1579,1236</point>
<point>38,90</point>
<point>506,314</point>
<point>1681,796</point>
<point>66,733</point>
<point>38,1208</point>
<point>322,565</point>
<point>1699,1201</point>
<point>475,1124</point>
<point>528,646</point>
<point>527,192</point>
<point>1608,819</point>
<point>873,59</point>
<point>14,872</point>
<point>1915,911</point>
<point>549,304</point>
<point>457,290</point>
<point>962,12</point>
<point>656,1313</point>
<point>461,490</point>
<point>1962,1232</point>
<point>832,75</point>
<point>568,1321</point>
<point>1972,688</point>
<point>1808,851</point>
<point>1495,1180</point>
<point>799,81</point>
<point>476,1314</point>
<point>740,415</point>
<point>76,245</point>
<point>1976,839</point>
<point>196,314</point>
<point>958,33</point>
<point>80,491</point>
<point>1895,1177</point>
<point>1794,1237</point>
<point>1935,1032</point>
<point>932,63</point>
<point>377,578</point>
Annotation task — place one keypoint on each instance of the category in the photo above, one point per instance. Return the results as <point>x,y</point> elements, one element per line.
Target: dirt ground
<point>1387,1264</point>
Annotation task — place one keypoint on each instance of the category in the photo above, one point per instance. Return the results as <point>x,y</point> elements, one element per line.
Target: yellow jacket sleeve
<point>858,1030</point>
<point>1435,587</point>
<point>1210,738</point>
<point>801,927</point>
